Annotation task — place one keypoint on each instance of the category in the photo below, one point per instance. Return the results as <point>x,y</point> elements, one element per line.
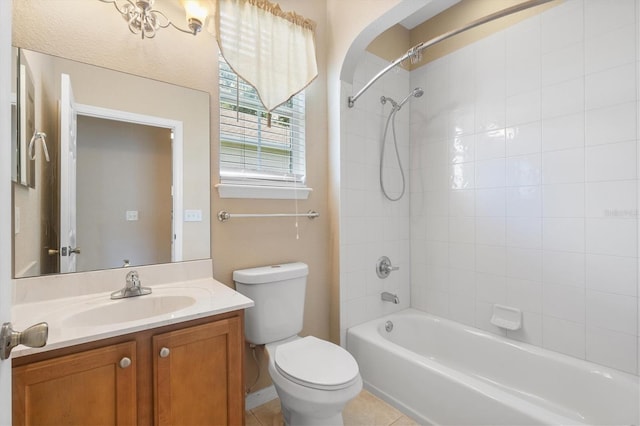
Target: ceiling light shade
<point>196,14</point>
<point>143,19</point>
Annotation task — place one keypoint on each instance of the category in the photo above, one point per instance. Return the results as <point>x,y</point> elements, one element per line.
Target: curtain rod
<point>223,215</point>
<point>416,51</point>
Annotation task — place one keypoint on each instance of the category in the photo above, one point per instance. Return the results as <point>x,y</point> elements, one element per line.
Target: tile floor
<point>365,410</point>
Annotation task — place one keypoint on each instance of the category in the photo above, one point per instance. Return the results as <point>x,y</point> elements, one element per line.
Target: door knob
<point>74,250</point>
<point>33,337</point>
<point>52,252</point>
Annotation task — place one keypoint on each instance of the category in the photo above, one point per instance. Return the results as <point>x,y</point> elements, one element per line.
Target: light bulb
<point>196,14</point>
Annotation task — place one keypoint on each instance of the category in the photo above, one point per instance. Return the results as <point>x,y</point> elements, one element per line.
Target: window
<point>251,152</point>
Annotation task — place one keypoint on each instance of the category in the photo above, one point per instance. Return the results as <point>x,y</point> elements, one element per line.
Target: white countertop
<point>87,318</point>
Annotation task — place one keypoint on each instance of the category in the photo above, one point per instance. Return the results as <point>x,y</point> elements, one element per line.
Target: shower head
<point>417,92</point>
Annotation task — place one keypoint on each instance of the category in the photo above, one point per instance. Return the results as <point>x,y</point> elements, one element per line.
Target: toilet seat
<point>316,363</point>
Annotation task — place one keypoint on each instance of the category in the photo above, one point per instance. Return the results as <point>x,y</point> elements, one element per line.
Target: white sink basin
<point>128,309</point>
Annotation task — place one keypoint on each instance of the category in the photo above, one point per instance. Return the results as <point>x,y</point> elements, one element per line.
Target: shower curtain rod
<point>415,51</point>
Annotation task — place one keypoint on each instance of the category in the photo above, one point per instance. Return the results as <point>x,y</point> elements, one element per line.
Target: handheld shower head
<point>417,92</point>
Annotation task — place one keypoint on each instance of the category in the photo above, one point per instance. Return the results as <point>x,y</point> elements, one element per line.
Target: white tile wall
<point>543,191</point>
<point>372,226</point>
<point>523,164</point>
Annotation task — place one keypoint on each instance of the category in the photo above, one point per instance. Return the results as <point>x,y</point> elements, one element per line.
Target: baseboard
<point>259,397</point>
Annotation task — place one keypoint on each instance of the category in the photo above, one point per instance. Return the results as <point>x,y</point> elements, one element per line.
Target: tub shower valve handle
<point>384,267</point>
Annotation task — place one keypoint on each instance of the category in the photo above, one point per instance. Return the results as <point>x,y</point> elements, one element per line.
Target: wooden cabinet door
<point>87,388</point>
<point>198,375</point>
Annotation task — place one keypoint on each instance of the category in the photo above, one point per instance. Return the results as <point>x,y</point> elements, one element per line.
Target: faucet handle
<point>133,280</point>
<point>132,287</point>
<point>384,267</point>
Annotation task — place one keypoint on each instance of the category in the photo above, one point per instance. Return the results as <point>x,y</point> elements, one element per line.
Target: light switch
<point>131,215</point>
<point>193,215</point>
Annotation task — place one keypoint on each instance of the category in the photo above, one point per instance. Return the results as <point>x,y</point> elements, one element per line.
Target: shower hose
<point>392,119</point>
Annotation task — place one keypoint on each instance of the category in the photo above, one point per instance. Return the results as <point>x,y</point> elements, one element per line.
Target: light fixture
<point>143,19</point>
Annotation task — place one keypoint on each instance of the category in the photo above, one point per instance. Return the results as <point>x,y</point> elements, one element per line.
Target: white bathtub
<point>442,372</point>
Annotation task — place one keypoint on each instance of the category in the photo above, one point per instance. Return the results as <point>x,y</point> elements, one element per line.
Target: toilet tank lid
<point>267,274</point>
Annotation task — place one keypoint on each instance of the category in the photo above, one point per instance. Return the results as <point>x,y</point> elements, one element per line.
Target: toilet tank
<point>278,293</point>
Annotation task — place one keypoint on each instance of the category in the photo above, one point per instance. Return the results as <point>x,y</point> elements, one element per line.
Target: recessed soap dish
<point>506,317</point>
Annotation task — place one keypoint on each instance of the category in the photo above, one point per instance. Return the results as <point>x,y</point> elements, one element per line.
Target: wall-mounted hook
<point>32,145</point>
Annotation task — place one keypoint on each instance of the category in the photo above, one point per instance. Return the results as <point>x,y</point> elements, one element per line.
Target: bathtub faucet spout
<point>389,297</point>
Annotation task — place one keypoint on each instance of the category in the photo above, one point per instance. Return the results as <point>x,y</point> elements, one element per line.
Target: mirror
<point>120,171</point>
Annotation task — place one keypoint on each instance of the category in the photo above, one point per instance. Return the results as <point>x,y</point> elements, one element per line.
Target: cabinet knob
<point>125,362</point>
<point>164,352</point>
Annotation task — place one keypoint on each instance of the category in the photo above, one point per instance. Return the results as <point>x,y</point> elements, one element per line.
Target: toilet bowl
<point>314,380</point>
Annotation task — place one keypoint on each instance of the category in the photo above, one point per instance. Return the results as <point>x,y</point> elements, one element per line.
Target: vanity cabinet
<point>56,391</point>
<point>195,370</point>
<point>183,374</point>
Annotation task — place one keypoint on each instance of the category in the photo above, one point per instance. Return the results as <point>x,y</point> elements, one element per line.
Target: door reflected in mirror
<point>14,116</point>
<point>115,187</point>
<point>22,119</point>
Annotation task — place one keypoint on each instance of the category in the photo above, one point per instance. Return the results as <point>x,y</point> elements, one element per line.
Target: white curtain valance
<point>272,50</point>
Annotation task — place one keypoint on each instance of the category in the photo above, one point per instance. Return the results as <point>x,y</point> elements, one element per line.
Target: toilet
<point>314,378</point>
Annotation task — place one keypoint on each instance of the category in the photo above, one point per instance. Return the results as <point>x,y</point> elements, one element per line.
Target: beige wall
<point>123,167</point>
<point>392,44</point>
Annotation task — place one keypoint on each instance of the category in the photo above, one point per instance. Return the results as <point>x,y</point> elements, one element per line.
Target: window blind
<point>250,150</point>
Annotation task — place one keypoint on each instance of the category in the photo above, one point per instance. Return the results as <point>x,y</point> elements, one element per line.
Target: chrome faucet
<point>389,297</point>
<point>132,287</point>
